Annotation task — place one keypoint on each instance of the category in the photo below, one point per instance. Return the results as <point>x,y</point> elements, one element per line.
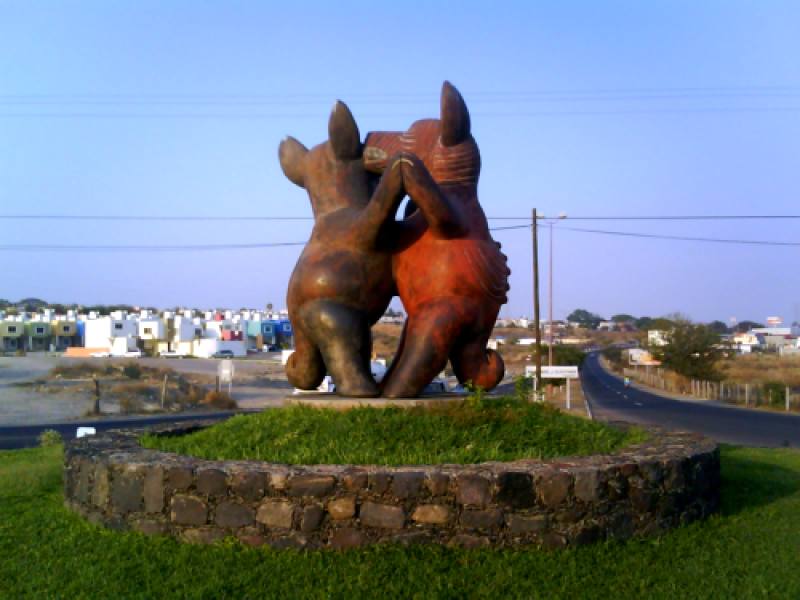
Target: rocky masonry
<point>645,489</point>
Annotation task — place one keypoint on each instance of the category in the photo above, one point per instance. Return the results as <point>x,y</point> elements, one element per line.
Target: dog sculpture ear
<point>293,160</point>
<point>455,117</point>
<point>343,133</point>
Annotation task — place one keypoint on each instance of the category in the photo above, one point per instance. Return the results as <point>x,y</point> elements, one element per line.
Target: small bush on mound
<point>49,437</point>
<point>476,431</point>
<point>219,400</point>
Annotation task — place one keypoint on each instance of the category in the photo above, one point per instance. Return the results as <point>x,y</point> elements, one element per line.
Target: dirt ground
<point>28,394</point>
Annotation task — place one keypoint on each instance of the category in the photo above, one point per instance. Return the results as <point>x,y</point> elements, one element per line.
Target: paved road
<point>25,436</point>
<point>610,399</point>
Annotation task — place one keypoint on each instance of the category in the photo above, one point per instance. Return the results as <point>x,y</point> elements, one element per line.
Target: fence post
<point>787,397</point>
<point>746,394</point>
<point>164,390</point>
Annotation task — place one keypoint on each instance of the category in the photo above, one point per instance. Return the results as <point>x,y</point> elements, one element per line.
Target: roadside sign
<point>554,372</point>
<point>774,320</point>
<point>226,371</point>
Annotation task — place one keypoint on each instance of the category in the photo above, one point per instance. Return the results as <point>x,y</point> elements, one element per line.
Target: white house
<point>116,332</point>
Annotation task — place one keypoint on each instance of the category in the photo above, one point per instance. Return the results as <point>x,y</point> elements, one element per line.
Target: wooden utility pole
<point>538,333</point>
<point>96,396</point>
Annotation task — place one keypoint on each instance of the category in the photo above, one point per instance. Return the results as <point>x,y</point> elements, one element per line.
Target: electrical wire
<point>271,218</point>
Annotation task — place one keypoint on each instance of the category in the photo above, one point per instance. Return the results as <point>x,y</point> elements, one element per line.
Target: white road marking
<point>638,403</point>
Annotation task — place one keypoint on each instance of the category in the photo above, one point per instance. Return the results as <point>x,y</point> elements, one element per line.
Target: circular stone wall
<point>644,489</point>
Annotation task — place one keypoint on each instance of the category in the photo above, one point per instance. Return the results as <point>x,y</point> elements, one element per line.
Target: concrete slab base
<point>336,402</point>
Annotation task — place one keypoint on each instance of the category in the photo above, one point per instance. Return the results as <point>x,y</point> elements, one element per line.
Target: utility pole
<point>538,333</point>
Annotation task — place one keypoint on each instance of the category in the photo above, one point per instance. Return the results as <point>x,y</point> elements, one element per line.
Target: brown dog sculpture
<point>342,283</point>
<point>450,273</point>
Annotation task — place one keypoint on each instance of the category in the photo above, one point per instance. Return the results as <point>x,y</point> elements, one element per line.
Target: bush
<point>774,393</point>
<point>49,437</point>
<point>220,400</point>
<point>132,371</point>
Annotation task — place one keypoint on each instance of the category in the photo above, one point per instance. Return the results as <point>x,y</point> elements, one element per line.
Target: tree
<point>691,350</point>
<point>269,307</point>
<point>718,327</point>
<point>623,318</point>
<point>586,319</point>
<point>644,323</point>
<point>745,326</point>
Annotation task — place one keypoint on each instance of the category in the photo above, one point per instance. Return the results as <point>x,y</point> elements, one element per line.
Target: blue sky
<point>593,109</point>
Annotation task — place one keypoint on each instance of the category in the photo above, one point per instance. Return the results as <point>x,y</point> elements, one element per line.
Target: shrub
<point>774,393</point>
<point>49,437</point>
<point>132,371</point>
<point>220,400</point>
<point>130,404</point>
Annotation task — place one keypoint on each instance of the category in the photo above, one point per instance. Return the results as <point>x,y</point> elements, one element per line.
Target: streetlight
<point>550,336</point>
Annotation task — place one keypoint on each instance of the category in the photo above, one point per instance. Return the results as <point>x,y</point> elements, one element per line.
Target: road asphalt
<point>611,400</point>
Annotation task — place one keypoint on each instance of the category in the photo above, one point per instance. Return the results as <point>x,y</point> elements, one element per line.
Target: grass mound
<point>475,431</point>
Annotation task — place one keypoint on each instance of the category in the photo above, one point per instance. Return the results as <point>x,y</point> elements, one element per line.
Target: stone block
<point>342,508</point>
<point>180,478</point>
<point>252,539</point>
<point>292,542</point>
<point>150,527</point>
<point>534,524</point>
<point>278,480</point>
<point>314,486</point>
<point>188,510</point>
<point>96,518</point>
<point>622,527</point>
<point>230,514</point>
<point>250,486</point>
<point>312,517</point>
<point>433,514</point>
<point>126,494</point>
<point>481,519</point>
<point>516,489</point>
<point>471,541</point>
<point>154,490</point>
<point>383,516</point>
<point>101,486</point>
<point>438,483</point>
<point>379,482</point>
<point>642,500</point>
<point>554,541</point>
<point>570,515</point>
<point>414,538</point>
<point>343,539</point>
<point>276,514</point>
<point>473,490</point>
<point>118,523</point>
<point>675,473</point>
<point>652,471</point>
<point>407,485</point>
<point>212,482</point>
<point>202,536</point>
<point>355,480</point>
<point>589,485</point>
<point>588,534</point>
<point>84,478</point>
<point>628,469</point>
<point>554,487</point>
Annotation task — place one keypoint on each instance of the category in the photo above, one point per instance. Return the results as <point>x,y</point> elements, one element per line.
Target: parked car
<point>171,354</point>
<point>101,354</point>
<point>132,354</point>
<point>223,354</point>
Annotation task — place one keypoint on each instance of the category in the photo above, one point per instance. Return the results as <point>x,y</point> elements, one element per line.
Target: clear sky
<point>594,109</point>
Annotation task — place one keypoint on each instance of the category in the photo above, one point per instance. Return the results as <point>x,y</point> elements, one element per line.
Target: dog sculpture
<point>342,283</point>
<point>450,274</point>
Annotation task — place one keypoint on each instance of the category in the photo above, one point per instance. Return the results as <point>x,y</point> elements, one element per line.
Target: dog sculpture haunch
<point>342,283</point>
<point>450,274</point>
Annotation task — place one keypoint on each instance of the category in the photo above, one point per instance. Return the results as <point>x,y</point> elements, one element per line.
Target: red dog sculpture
<point>449,272</point>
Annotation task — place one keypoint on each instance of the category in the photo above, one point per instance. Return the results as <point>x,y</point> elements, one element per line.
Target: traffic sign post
<point>555,373</point>
<point>226,370</point>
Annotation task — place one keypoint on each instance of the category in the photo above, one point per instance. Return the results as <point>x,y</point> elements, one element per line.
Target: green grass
<point>750,550</point>
<point>477,431</point>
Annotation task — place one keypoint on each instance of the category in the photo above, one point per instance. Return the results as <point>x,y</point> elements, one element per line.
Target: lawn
<point>503,429</point>
<point>751,549</point>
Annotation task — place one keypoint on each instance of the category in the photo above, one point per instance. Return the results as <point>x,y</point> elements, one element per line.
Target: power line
<point>684,238</point>
<point>273,218</point>
<point>553,113</point>
<point>207,247</point>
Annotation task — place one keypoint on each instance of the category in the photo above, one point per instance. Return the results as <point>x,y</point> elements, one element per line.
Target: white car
<point>101,354</point>
<point>131,354</point>
<point>171,354</point>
